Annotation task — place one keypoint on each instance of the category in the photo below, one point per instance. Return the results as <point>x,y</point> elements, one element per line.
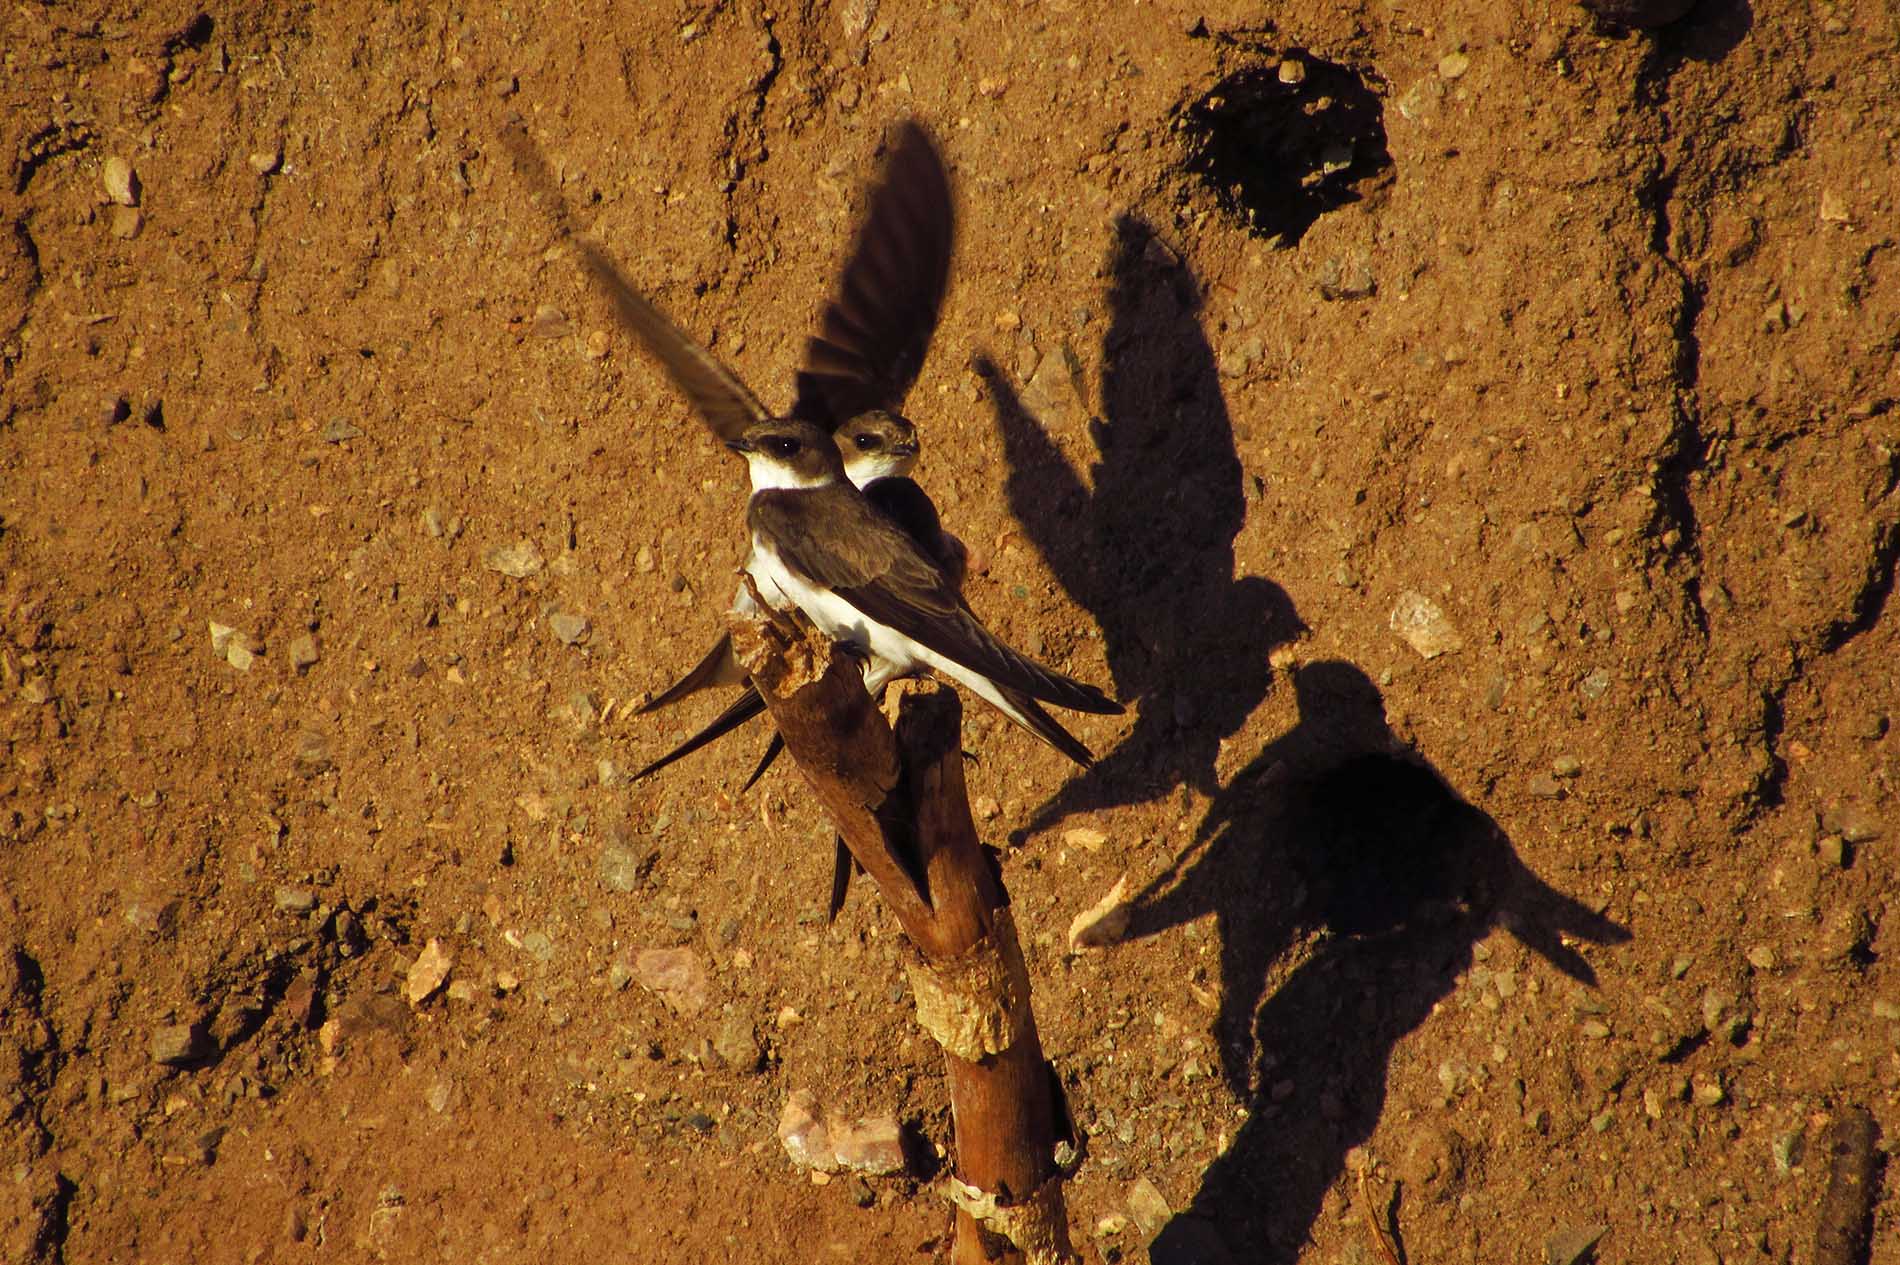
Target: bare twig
<point>1374,1221</point>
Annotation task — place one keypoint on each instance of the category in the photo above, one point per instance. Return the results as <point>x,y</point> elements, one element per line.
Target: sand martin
<point>819,545</point>
<point>872,339</point>
<point>879,450</point>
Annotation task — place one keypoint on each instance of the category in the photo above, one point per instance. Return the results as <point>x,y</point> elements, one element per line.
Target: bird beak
<point>740,444</point>
<point>905,449</point>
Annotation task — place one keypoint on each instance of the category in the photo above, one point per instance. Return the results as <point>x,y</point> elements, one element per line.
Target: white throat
<point>769,474</point>
<point>883,465</point>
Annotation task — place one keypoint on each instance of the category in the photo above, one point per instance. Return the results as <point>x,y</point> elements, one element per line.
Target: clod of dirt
<point>180,1044</point>
<point>1845,1224</point>
<point>1644,14</point>
<point>1282,143</point>
<point>1573,1244</point>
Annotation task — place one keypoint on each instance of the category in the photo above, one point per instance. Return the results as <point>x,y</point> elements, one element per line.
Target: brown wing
<point>725,403</point>
<point>876,330</point>
<point>722,400</point>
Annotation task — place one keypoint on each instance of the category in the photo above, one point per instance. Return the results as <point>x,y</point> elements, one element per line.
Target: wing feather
<point>875,332</point>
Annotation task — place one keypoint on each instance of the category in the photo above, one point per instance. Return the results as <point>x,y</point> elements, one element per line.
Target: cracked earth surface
<point>1575,345</point>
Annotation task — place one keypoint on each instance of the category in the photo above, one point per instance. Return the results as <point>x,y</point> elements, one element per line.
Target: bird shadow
<point>1146,544</point>
<point>1339,842</point>
<point>1335,847</point>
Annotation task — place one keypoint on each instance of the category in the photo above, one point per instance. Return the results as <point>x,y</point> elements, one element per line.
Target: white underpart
<point>862,467</point>
<point>891,653</point>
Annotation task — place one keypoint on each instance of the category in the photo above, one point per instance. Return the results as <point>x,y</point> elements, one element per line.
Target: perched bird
<point>879,450</point>
<point>871,342</point>
<point>820,546</point>
<point>873,337</point>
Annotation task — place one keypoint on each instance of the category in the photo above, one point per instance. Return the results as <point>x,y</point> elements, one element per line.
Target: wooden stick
<point>899,802</point>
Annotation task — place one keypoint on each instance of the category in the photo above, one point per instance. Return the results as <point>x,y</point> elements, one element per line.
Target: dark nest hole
<point>1386,845</point>
<point>1283,143</point>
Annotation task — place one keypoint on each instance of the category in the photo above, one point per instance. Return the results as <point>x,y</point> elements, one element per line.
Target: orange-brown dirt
<point>1572,346</point>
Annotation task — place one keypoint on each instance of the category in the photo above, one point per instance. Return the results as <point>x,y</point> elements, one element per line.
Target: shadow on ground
<point>1337,838</point>
<point>1146,544</point>
<point>1334,837</point>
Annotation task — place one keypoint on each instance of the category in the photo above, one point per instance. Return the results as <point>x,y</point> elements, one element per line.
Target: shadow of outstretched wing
<point>1146,542</point>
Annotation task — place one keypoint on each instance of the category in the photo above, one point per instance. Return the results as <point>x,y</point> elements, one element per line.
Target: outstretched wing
<point>722,400</point>
<point>742,709</point>
<point>725,403</point>
<point>876,330</point>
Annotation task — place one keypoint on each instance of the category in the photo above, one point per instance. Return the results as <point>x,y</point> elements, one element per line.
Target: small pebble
<point>517,561</point>
<point>1423,625</point>
<point>1292,71</point>
<point>295,900</point>
<point>340,430</point>
<point>127,221</point>
<point>1566,766</point>
<point>265,162</point>
<point>869,1144</point>
<point>1787,1148</point>
<point>1572,1244</point>
<point>429,972</point>
<point>571,630</point>
<point>1453,65</point>
<point>677,976</point>
<point>737,1045</point>
<point>1855,824</point>
<point>1148,1206</point>
<point>622,869</point>
<point>312,754</point>
<point>304,652</point>
<point>120,181</point>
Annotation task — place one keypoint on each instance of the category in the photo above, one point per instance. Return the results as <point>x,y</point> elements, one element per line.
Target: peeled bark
<point>898,800</point>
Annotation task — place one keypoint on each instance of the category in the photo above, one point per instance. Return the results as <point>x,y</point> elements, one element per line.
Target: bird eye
<point>784,447</point>
<point>866,442</point>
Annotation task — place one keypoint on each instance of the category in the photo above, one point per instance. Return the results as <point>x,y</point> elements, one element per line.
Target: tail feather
<point>765,761</point>
<point>1029,714</point>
